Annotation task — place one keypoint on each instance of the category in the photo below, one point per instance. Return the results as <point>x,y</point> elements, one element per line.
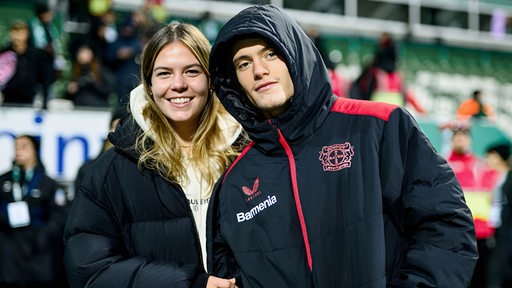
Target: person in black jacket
<point>91,82</point>
<point>32,216</point>
<point>29,77</point>
<point>140,214</point>
<point>498,157</point>
<point>332,192</point>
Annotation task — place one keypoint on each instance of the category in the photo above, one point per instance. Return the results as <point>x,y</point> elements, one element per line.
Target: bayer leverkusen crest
<point>337,156</point>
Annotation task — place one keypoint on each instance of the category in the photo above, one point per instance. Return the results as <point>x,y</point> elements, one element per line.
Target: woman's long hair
<point>94,67</point>
<point>158,146</point>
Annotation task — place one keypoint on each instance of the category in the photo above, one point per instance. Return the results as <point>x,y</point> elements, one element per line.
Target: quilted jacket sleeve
<point>97,256</point>
<point>427,207</point>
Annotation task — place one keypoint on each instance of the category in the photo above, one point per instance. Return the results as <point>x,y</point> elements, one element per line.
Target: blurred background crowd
<point>447,62</point>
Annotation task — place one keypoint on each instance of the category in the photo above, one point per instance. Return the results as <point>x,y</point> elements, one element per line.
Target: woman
<point>140,215</point>
<point>91,83</point>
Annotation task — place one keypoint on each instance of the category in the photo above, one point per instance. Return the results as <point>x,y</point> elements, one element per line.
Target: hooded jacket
<point>334,192</point>
<point>130,227</point>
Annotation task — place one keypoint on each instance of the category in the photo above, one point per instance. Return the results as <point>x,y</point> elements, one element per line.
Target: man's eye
<point>242,65</point>
<point>271,54</point>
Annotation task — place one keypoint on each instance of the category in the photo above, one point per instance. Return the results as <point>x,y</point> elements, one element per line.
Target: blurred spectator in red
<point>475,108</point>
<point>462,159</point>
<point>91,83</point>
<point>29,75</point>
<point>339,85</point>
<point>381,81</point>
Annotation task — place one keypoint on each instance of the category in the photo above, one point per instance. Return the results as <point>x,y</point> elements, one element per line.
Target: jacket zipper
<point>296,197</point>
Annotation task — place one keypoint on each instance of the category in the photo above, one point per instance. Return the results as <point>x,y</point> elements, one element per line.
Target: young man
<point>332,192</point>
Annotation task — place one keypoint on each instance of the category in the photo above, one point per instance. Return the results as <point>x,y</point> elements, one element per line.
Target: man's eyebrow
<point>241,57</point>
<point>261,51</point>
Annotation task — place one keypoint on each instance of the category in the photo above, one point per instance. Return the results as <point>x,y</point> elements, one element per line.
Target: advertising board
<point>68,138</point>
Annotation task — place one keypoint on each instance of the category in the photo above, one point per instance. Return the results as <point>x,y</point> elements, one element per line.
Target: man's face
<point>461,142</point>
<point>19,36</point>
<point>263,75</point>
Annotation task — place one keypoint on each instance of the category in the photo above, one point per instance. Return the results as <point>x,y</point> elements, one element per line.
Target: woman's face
<point>179,85</point>
<point>84,55</point>
<point>493,159</point>
<point>25,153</point>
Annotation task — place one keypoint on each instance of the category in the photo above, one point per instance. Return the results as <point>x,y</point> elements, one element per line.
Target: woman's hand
<point>216,282</point>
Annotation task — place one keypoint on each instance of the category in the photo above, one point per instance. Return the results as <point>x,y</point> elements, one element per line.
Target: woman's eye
<point>162,73</point>
<point>193,72</point>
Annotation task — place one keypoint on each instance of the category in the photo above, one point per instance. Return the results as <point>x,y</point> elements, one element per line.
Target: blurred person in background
<point>140,215</point>
<point>118,113</point>
<point>469,170</point>
<point>30,75</point>
<point>125,54</point>
<point>475,108</point>
<point>209,26</point>
<point>498,157</point>
<point>32,216</point>
<point>91,83</point>
<point>461,157</point>
<point>46,36</point>
<point>339,85</point>
<point>103,32</point>
<point>382,81</point>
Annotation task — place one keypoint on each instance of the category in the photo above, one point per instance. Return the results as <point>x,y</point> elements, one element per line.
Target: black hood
<point>312,99</point>
<point>125,136</point>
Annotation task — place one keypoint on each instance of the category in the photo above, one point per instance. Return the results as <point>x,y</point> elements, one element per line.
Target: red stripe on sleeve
<point>362,107</point>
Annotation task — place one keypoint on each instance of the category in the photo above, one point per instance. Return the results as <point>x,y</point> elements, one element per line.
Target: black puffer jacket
<point>333,192</point>
<point>130,227</point>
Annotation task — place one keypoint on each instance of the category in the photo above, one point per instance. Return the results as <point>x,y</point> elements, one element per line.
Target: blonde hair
<point>158,146</point>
